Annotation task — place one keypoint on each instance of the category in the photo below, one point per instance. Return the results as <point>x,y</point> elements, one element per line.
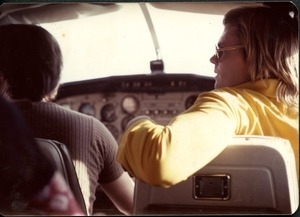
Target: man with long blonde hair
<point>256,93</point>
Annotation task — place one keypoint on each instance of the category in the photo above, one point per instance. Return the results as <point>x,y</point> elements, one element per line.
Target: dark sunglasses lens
<point>220,53</point>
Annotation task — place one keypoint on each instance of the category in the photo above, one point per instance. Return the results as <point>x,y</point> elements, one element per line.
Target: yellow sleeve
<point>166,155</point>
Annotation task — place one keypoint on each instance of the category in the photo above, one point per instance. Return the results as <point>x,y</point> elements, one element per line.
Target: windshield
<point>120,42</point>
<point>111,39</point>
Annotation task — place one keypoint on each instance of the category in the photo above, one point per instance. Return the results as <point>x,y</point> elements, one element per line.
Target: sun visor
<point>48,13</point>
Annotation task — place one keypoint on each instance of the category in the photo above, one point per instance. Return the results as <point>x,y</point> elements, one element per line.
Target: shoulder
<point>231,95</point>
<point>221,95</point>
<point>231,100</point>
<point>54,108</point>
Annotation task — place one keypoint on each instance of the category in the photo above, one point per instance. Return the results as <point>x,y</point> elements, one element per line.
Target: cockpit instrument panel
<point>116,100</point>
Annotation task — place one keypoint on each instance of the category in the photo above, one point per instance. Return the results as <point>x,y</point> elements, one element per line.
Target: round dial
<point>190,101</point>
<point>130,104</point>
<point>108,113</point>
<point>125,121</point>
<point>88,109</point>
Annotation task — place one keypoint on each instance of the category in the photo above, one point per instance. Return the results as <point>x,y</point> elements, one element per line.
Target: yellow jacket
<point>166,155</point>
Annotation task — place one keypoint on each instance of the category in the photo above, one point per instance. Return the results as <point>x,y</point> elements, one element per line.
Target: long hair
<point>270,38</point>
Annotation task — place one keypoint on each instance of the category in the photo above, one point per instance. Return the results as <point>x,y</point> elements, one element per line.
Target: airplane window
<point>119,42</point>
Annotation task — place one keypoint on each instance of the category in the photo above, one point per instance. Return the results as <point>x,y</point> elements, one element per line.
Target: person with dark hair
<point>30,70</point>
<point>256,93</point>
<point>29,183</point>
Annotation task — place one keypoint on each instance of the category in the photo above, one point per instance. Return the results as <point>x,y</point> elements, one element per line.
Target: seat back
<point>59,154</point>
<point>253,175</point>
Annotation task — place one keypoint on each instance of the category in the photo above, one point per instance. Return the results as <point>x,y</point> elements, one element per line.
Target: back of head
<point>270,37</point>
<point>31,61</point>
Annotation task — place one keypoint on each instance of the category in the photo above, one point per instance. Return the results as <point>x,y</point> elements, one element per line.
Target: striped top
<point>91,145</point>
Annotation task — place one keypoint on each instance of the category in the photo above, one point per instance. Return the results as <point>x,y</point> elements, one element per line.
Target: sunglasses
<point>219,51</point>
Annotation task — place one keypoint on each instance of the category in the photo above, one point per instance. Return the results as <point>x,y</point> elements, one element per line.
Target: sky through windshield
<point>119,42</point>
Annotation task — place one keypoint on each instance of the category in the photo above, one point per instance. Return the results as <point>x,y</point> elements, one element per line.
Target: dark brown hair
<point>31,61</point>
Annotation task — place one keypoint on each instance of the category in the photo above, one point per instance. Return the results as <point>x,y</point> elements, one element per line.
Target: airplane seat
<point>24,169</point>
<point>59,154</point>
<point>253,175</point>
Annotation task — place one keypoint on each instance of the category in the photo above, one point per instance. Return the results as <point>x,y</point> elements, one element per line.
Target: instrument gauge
<point>108,113</point>
<point>125,121</point>
<point>190,101</point>
<point>130,104</point>
<point>88,109</point>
